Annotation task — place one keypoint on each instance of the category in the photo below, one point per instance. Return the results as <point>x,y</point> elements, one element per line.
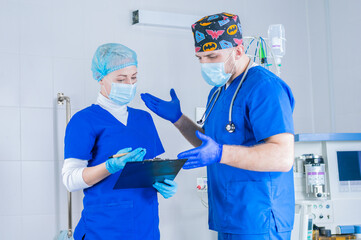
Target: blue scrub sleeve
<point>79,138</point>
<point>270,107</point>
<point>158,147</point>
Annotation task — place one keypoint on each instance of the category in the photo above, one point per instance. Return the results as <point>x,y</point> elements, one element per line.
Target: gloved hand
<point>167,189</point>
<point>170,110</point>
<point>114,165</point>
<point>209,152</point>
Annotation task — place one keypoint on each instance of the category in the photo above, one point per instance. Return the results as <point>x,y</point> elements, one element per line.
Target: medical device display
<point>349,165</point>
<point>327,178</point>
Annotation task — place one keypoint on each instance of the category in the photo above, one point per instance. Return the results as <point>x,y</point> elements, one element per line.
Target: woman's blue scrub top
<point>94,134</point>
<point>242,201</point>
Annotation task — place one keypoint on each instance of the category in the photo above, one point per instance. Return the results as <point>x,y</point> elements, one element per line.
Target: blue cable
<point>249,45</point>
<point>255,53</point>
<point>265,47</point>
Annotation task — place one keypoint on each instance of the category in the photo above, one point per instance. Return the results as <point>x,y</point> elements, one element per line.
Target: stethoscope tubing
<point>218,91</point>
<point>237,90</point>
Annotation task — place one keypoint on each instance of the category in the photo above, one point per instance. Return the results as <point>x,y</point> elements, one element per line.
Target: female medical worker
<point>101,130</point>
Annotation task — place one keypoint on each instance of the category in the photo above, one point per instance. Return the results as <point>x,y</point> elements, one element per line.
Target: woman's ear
<point>102,81</point>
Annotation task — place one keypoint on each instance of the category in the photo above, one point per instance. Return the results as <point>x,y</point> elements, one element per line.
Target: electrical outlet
<point>202,185</point>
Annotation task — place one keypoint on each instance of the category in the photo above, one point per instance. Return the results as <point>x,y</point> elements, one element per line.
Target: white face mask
<point>214,73</point>
<point>121,93</point>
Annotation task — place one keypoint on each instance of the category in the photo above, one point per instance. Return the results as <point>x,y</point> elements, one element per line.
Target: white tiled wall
<point>9,24</point>
<point>10,79</point>
<point>10,134</point>
<point>38,176</point>
<point>68,77</point>
<point>46,47</point>
<point>11,199</point>
<point>10,227</point>
<point>35,73</point>
<point>36,27</point>
<point>336,88</point>
<point>37,141</point>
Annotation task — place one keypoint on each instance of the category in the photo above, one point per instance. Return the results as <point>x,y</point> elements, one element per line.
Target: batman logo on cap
<point>209,46</point>
<point>216,32</point>
<point>202,18</point>
<point>228,14</point>
<point>232,29</point>
<point>205,24</point>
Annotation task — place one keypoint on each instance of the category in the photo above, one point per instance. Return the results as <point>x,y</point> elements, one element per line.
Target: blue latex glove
<point>114,165</point>
<point>209,152</point>
<point>170,110</point>
<point>167,189</point>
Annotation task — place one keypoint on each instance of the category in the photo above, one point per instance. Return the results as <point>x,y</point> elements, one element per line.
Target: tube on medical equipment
<point>277,41</point>
<point>262,55</point>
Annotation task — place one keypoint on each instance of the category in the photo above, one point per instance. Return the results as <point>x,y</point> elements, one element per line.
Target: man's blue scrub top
<point>242,201</point>
<point>94,134</point>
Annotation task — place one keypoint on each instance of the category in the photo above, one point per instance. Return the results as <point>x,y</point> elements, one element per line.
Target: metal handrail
<point>61,100</point>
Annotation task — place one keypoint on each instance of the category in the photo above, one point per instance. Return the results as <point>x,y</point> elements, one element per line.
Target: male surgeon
<point>249,155</point>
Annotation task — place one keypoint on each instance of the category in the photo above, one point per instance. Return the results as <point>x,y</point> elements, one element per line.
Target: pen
<point>118,155</point>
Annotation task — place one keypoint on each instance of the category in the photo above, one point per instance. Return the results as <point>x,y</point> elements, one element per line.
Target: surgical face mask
<point>121,93</point>
<point>214,73</point>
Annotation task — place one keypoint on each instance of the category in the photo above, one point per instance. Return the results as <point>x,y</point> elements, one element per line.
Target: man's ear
<point>239,51</point>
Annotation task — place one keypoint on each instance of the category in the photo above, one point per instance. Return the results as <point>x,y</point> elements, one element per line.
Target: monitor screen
<point>349,165</point>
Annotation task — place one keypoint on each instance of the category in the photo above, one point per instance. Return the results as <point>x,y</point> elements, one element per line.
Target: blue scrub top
<point>94,134</point>
<point>242,201</point>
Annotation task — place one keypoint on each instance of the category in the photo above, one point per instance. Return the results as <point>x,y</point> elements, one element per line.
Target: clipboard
<point>145,173</point>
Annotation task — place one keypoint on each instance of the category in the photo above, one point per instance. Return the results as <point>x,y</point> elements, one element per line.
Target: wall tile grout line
<point>20,132</point>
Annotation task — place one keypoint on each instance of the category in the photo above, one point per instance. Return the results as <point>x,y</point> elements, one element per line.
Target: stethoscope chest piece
<point>230,127</point>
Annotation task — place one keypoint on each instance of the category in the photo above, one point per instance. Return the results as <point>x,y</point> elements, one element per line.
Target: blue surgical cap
<point>111,57</point>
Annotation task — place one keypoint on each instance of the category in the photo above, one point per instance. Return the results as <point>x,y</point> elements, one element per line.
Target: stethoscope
<point>230,127</point>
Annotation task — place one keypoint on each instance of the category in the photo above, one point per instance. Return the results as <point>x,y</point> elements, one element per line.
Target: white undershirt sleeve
<point>73,174</point>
